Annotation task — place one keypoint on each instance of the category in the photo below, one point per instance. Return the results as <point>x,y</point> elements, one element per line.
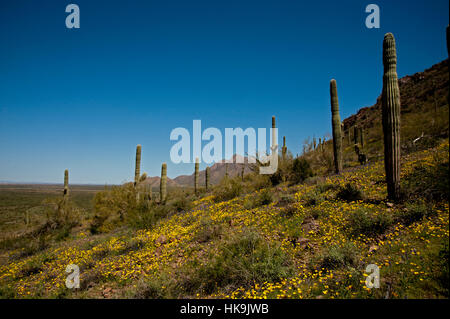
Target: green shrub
<point>286,200</point>
<point>349,193</point>
<point>208,231</point>
<point>160,286</point>
<point>146,214</point>
<point>324,187</point>
<point>368,223</point>
<point>227,189</point>
<point>313,198</point>
<point>335,256</point>
<point>264,198</point>
<point>414,212</point>
<point>301,170</point>
<point>7,292</point>
<point>182,203</point>
<point>242,260</point>
<point>428,182</point>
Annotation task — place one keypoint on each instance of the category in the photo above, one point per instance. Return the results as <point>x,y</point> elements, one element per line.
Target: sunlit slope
<point>311,241</point>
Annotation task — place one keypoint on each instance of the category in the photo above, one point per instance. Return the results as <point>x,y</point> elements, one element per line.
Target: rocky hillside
<point>421,92</point>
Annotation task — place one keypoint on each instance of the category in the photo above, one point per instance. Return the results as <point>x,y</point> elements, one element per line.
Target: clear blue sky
<point>83,98</point>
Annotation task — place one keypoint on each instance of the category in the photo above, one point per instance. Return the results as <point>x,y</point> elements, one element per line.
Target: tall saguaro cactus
<point>356,135</point>
<point>274,135</point>
<point>137,170</point>
<point>206,178</point>
<point>336,124</point>
<point>196,176</point>
<point>390,106</point>
<point>284,149</point>
<point>66,183</point>
<point>163,184</point>
<point>361,136</point>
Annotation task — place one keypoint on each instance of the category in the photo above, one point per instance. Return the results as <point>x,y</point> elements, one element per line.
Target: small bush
<point>428,182</point>
<point>182,204</point>
<point>264,198</point>
<point>158,287</point>
<point>365,222</point>
<point>146,214</point>
<point>349,193</point>
<point>208,231</point>
<point>227,189</point>
<point>414,212</point>
<point>335,257</point>
<point>243,260</point>
<point>324,187</point>
<point>301,170</point>
<point>313,198</point>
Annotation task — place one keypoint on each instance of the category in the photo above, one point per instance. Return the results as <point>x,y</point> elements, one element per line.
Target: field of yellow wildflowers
<point>308,242</point>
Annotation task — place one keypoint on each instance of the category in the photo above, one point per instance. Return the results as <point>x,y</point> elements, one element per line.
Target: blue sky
<point>83,98</point>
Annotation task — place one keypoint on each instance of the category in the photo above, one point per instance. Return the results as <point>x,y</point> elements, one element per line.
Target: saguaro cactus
<point>206,178</point>
<point>356,135</point>
<point>196,176</point>
<point>66,183</point>
<point>390,106</point>
<point>284,149</point>
<point>274,135</point>
<point>137,170</point>
<point>361,136</point>
<point>163,184</point>
<point>336,124</point>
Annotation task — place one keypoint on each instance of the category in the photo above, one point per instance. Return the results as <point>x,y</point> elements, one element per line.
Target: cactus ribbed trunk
<point>361,137</point>
<point>137,169</point>
<point>274,135</point>
<point>196,176</point>
<point>284,149</point>
<point>336,124</point>
<point>66,183</point>
<point>390,102</point>
<point>163,184</point>
<point>207,178</point>
<point>356,135</point>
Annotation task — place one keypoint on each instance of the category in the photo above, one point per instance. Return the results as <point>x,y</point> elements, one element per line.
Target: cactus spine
<point>163,184</point>
<point>137,170</point>
<point>390,102</point>
<point>284,148</point>
<point>196,176</point>
<point>336,124</point>
<point>66,183</point>
<point>207,178</point>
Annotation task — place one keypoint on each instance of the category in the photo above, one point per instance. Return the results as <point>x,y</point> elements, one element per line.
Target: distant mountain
<point>217,173</point>
<point>155,180</point>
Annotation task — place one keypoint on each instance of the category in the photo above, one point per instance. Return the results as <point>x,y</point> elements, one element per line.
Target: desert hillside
<point>303,232</point>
